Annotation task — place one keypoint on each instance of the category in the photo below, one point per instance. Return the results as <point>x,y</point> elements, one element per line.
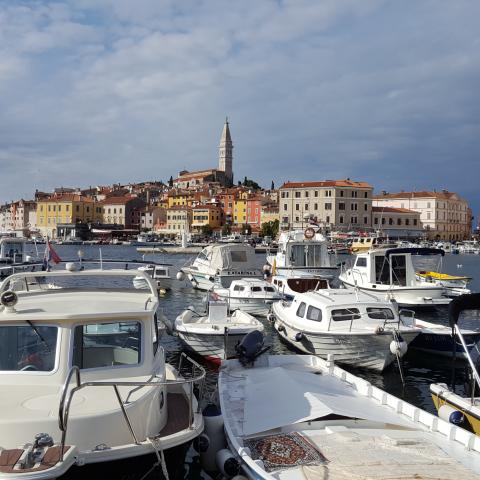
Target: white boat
<point>360,329</point>
<point>215,333</point>
<point>13,256</point>
<point>161,275</point>
<point>329,424</point>
<point>290,283</point>
<point>83,380</point>
<point>305,251</point>
<point>232,238</point>
<point>454,285</point>
<point>251,295</point>
<point>222,264</point>
<point>390,273</point>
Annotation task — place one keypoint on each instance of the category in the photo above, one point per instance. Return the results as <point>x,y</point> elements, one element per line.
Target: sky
<point>95,92</point>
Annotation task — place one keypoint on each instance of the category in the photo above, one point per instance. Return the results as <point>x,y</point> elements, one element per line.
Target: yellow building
<point>66,209</point>
<point>181,198</point>
<point>207,215</point>
<point>240,211</point>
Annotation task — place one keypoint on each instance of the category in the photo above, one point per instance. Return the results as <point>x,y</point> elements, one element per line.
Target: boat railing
<point>193,374</point>
<point>475,376</point>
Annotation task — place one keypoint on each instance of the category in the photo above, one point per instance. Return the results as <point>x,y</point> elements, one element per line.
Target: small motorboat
<point>454,285</point>
<point>215,333</point>
<point>290,283</point>
<point>251,295</point>
<point>160,273</point>
<point>84,384</point>
<point>299,417</point>
<point>464,411</point>
<point>359,328</point>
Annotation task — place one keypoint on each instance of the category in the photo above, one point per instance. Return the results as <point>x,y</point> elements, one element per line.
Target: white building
<point>444,215</point>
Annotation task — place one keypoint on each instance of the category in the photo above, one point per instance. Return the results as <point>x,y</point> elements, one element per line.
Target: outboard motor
<point>250,348</point>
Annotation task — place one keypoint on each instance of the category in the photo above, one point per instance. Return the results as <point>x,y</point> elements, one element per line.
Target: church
<point>222,175</point>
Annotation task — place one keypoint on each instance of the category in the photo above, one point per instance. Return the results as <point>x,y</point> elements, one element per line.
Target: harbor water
<point>420,369</point>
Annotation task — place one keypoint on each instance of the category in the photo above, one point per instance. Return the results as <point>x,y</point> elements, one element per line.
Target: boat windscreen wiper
<point>39,335</point>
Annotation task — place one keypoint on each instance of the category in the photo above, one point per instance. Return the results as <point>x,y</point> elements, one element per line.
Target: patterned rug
<point>285,450</point>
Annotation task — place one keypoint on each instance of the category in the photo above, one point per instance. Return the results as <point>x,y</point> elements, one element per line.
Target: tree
<point>226,229</point>
<point>207,230</point>
<point>251,184</point>
<point>270,229</point>
<point>246,229</point>
<point>272,186</point>
<point>170,182</point>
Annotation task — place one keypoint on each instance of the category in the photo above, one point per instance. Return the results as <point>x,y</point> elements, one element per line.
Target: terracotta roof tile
<point>327,183</point>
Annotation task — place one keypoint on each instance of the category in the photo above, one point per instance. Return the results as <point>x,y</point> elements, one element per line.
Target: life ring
<point>309,233</point>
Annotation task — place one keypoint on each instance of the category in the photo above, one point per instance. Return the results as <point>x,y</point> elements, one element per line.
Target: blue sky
<point>100,91</point>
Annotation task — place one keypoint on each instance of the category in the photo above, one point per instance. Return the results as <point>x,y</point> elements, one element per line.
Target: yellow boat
<point>440,276</point>
<point>461,411</point>
<point>454,284</point>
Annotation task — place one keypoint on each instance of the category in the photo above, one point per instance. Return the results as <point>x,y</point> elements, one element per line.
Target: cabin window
<point>238,256</point>
<point>155,334</point>
<point>301,310</point>
<point>399,270</point>
<point>269,289</point>
<point>238,288</point>
<point>380,313</point>
<point>107,344</point>
<point>202,256</point>
<point>256,289</point>
<point>382,274</point>
<point>343,314</point>
<point>28,348</point>
<point>361,262</point>
<point>314,313</point>
<point>306,255</point>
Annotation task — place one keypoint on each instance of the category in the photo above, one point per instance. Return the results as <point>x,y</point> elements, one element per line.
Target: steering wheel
<point>29,368</point>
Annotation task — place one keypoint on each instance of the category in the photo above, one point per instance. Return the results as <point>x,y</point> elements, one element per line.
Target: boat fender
<point>213,421</point>
<point>281,328</point>
<point>298,336</point>
<point>398,347</point>
<point>271,317</point>
<point>451,415</point>
<point>227,463</point>
<point>71,267</point>
<point>379,330</point>
<point>180,276</point>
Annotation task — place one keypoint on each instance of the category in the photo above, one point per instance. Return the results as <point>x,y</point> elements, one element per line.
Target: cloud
<point>113,90</point>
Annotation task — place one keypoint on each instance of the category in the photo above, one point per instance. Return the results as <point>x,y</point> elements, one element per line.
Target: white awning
<point>275,397</point>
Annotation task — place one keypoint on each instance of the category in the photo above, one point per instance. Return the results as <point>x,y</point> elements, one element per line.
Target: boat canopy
<point>231,255</point>
<point>461,303</point>
<point>415,251</point>
<point>300,396</point>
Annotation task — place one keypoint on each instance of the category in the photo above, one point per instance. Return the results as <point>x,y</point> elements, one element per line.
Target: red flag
<point>51,254</point>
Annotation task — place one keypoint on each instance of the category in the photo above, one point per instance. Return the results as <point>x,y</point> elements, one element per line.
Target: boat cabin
<point>12,250</point>
<point>393,266</point>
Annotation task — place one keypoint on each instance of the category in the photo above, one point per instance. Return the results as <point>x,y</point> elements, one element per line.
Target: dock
<point>171,250</point>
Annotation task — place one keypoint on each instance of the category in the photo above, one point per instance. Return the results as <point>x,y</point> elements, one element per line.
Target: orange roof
<point>119,200</point>
<point>444,194</point>
<point>327,183</point>
<point>68,197</point>
<point>179,207</point>
<point>392,210</point>
<point>207,207</point>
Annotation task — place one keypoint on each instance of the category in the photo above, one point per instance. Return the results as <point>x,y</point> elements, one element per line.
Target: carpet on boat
<point>284,450</point>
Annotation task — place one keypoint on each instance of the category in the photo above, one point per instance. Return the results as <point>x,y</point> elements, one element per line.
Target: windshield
<point>306,255</point>
<point>25,348</point>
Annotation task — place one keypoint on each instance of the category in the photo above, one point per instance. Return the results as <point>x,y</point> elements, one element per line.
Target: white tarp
<point>275,397</point>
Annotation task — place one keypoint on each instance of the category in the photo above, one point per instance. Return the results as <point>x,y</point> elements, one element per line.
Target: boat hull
<point>365,350</point>
<point>206,282</point>
<point>443,344</point>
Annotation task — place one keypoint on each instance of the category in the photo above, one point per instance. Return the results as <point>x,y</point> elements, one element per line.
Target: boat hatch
<point>302,285</point>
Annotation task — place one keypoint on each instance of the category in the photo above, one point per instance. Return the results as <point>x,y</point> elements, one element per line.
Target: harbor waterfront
<point>420,369</point>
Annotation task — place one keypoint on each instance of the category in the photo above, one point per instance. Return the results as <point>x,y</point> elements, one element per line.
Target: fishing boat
<point>464,410</point>
<point>300,417</point>
<point>359,328</point>
<point>454,285</point>
<point>214,333</point>
<point>290,283</point>
<point>251,295</point>
<point>221,264</point>
<point>364,244</point>
<point>302,250</point>
<point>84,385</point>
<point>390,273</point>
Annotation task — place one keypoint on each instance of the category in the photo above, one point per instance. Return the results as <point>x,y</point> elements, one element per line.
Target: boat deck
<point>177,410</point>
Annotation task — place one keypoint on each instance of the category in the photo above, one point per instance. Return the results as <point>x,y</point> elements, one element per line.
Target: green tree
<point>246,229</point>
<point>207,230</point>
<point>272,187</point>
<point>251,184</point>
<point>226,229</point>
<point>270,229</point>
<point>170,182</point>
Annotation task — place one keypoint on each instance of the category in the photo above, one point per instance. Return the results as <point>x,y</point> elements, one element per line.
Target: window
<point>390,221</point>
<point>341,206</point>
<point>301,310</point>
<point>354,194</point>
<point>297,206</point>
<point>365,194</point>
<point>316,193</point>
<point>238,256</point>
<point>415,221</point>
<point>297,194</point>
<point>269,289</point>
<point>361,262</point>
<point>341,193</point>
<point>375,220</point>
<point>380,313</point>
<point>28,349</point>
<point>327,219</point>
<point>365,207</point>
<point>306,194</point>
<point>344,314</point>
<point>328,206</point>
<point>383,221</point>
<point>256,289</point>
<point>238,288</point>
<point>365,220</point>
<point>399,221</point>
<point>354,206</point>
<point>340,220</point>
<point>107,344</point>
<point>407,221</point>
<point>315,206</point>
<point>77,208</point>
<point>306,206</point>
<point>314,313</point>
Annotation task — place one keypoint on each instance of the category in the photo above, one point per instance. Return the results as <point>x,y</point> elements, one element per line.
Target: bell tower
<point>225,153</point>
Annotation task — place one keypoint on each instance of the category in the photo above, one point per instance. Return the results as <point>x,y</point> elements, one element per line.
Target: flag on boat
<point>50,255</point>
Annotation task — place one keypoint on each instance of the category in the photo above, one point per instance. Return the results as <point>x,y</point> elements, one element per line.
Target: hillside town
<point>210,202</point>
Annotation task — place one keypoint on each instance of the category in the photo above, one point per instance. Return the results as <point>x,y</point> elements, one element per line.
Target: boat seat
<point>94,357</point>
